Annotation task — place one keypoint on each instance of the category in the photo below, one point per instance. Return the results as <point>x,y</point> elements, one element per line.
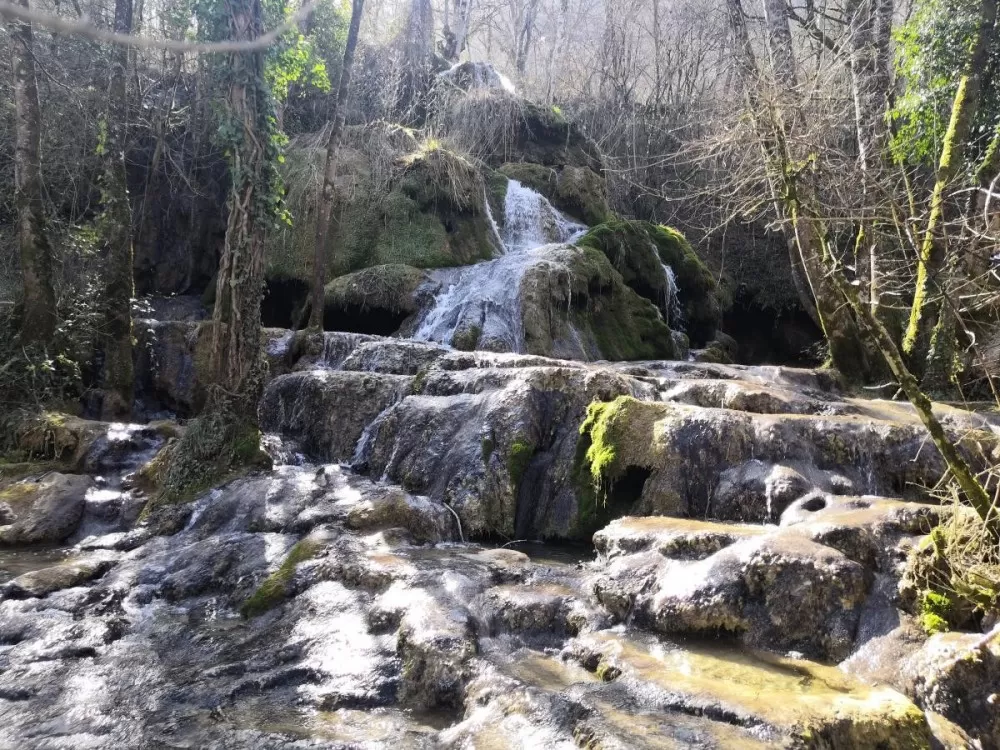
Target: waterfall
<point>530,221</point>
<point>671,303</point>
<point>485,298</point>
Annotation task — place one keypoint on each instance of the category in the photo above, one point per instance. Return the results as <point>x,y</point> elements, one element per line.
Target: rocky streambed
<point>743,531</point>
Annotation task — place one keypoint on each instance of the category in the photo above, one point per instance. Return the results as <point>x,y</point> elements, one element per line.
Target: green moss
<point>466,339</point>
<point>275,587</point>
<point>625,326</point>
<point>215,449</point>
<point>421,208</point>
<point>17,493</point>
<point>389,288</point>
<point>518,460</point>
<point>637,249</point>
<point>606,672</point>
<point>488,446</point>
<point>603,437</point>
<point>934,610</point>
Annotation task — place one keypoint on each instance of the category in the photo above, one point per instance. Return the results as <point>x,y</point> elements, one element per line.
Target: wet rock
<point>540,610</point>
<point>958,676</point>
<point>774,590</point>
<point>326,412</point>
<point>67,575</point>
<point>427,521</point>
<point>675,538</point>
<point>787,701</point>
<point>435,644</point>
<point>46,510</point>
<point>393,357</point>
<point>171,364</point>
<point>683,450</point>
<point>498,445</point>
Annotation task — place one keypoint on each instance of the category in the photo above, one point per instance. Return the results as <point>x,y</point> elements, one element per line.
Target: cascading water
<point>483,299</point>
<point>671,303</point>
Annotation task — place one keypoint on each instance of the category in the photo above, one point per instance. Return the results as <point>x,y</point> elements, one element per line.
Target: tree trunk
<point>328,194</point>
<point>38,317</point>
<point>847,351</point>
<point>931,260</point>
<point>524,37</point>
<point>117,225</point>
<point>556,51</point>
<point>870,89</point>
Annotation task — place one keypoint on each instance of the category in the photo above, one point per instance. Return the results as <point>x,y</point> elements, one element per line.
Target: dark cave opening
<point>773,337</point>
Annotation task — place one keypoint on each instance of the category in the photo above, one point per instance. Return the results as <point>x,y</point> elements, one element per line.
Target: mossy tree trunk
<point>972,489</point>
<point>38,317</point>
<point>329,190</point>
<point>119,286</point>
<point>925,306</point>
<point>236,345</point>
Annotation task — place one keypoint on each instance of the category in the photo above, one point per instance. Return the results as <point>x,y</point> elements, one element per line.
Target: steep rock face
<point>374,300</point>
<point>326,412</point>
<point>574,305</point>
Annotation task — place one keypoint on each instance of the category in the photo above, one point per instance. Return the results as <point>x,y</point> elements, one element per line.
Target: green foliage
<point>932,53</point>
<point>215,448</point>
<point>952,578</point>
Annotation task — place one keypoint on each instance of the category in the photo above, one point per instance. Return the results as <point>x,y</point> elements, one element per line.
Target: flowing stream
<point>485,298</point>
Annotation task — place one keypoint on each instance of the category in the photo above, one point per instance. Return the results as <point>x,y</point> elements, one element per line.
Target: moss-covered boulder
<point>574,304</point>
<point>400,201</point>
<point>639,250</point>
<point>373,300</point>
<point>577,191</point>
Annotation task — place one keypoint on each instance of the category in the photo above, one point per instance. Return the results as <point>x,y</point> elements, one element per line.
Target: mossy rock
<point>573,298</point>
<point>637,249</point>
<point>373,300</point>
<point>423,208</point>
<point>275,588</point>
<point>576,191</point>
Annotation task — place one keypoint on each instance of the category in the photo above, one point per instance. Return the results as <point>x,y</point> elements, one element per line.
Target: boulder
<point>44,511</point>
<point>43,582</point>
<point>958,676</point>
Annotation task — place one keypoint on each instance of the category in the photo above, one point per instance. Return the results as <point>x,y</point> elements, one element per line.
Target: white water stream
<point>486,296</point>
